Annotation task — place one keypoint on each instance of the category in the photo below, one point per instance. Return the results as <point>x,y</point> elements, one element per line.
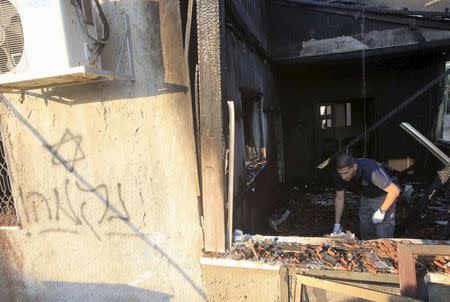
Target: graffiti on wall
<point>68,210</point>
<point>71,143</point>
<point>74,206</point>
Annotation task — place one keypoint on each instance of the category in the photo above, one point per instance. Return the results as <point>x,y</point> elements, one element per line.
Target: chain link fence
<point>8,215</point>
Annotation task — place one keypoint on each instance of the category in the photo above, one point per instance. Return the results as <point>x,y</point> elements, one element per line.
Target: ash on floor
<point>312,213</point>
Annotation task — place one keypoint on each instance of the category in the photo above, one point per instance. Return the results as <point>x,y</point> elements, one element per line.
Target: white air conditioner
<point>45,43</point>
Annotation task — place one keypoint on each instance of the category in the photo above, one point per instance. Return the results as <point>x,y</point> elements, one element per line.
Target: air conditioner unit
<point>47,43</point>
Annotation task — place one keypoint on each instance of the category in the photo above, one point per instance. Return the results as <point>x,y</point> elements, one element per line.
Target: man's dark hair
<point>344,160</point>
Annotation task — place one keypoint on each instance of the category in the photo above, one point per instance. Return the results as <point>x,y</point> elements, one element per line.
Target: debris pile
<point>440,262</point>
<point>437,214</point>
<point>254,167</point>
<point>379,256</point>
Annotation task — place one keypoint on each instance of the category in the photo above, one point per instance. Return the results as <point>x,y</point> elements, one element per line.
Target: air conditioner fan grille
<point>11,37</point>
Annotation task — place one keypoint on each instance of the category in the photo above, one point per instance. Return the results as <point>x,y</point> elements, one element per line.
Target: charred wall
<point>305,24</point>
<point>247,71</point>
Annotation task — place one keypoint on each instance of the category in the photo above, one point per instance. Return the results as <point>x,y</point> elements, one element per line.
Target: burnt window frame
<point>248,98</point>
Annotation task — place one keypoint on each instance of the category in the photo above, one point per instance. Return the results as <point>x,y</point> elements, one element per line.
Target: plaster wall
<point>104,177</point>
<point>241,284</point>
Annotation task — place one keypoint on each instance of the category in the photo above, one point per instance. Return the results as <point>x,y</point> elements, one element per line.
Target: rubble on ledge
<point>375,256</point>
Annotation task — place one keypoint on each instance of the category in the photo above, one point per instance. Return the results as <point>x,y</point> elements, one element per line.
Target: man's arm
<point>392,193</point>
<point>381,179</point>
<point>339,206</point>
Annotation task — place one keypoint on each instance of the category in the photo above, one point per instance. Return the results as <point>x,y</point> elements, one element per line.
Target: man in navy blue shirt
<point>378,195</point>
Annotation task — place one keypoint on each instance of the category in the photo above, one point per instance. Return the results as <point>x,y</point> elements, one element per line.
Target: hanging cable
<point>99,42</point>
<point>363,80</point>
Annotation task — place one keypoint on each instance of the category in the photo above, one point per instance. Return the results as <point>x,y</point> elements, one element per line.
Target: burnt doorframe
<point>212,121</point>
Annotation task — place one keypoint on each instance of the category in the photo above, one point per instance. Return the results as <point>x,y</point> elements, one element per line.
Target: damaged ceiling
<point>327,28</point>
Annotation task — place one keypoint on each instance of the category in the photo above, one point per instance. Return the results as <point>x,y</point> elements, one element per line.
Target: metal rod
<point>426,142</point>
<point>432,2</point>
<point>187,35</point>
<point>130,50</point>
<point>126,40</point>
<point>231,171</point>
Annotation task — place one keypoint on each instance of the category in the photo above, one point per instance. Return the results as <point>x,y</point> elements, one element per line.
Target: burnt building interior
<point>309,77</point>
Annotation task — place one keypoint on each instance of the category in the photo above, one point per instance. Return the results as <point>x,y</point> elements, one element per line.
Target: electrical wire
<point>363,80</point>
<point>99,42</point>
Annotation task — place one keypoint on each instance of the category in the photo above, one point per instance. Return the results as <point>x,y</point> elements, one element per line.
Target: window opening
<point>327,116</point>
<point>348,114</point>
<point>336,115</point>
<point>446,119</point>
<point>255,154</point>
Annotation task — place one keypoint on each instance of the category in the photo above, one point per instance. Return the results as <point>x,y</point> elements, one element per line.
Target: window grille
<point>8,215</point>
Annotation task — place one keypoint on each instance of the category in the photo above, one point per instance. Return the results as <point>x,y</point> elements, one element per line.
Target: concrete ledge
<point>239,263</point>
<point>10,228</point>
<point>439,278</point>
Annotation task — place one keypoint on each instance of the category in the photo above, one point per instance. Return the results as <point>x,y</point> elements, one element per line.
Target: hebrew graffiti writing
<point>72,209</point>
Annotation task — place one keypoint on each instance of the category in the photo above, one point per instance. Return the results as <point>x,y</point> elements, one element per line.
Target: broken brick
<point>350,246</point>
<point>331,252</point>
<point>389,245</point>
<point>438,264</point>
<point>343,261</point>
<point>329,259</point>
<point>372,270</point>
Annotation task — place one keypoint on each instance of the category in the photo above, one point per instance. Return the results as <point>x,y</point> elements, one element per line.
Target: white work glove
<point>337,229</point>
<point>378,217</point>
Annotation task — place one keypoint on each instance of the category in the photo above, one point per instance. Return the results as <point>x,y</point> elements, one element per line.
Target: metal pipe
<point>231,171</point>
<point>263,134</point>
<point>187,36</point>
<point>426,142</point>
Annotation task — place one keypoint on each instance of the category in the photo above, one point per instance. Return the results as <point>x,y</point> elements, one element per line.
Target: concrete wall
<point>105,179</point>
<point>246,70</point>
<point>241,284</point>
<point>389,81</point>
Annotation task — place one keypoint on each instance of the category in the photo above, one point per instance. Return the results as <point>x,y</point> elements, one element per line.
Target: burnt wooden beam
<point>211,29</point>
<point>407,267</point>
<point>344,289</point>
